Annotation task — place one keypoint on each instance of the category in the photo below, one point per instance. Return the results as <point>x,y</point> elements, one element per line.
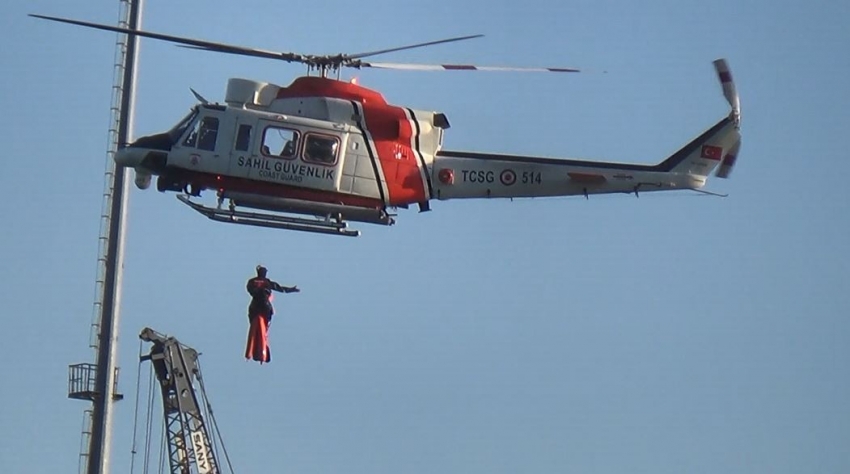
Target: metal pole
<point>99,450</point>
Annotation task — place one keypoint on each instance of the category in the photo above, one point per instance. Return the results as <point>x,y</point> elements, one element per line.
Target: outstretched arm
<point>284,289</point>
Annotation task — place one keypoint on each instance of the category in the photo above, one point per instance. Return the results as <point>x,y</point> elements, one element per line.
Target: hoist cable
<point>149,421</point>
<point>162,444</point>
<point>204,408</point>
<point>136,411</point>
<point>212,416</point>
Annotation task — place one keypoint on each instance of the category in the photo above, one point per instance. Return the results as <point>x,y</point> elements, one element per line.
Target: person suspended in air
<point>260,312</point>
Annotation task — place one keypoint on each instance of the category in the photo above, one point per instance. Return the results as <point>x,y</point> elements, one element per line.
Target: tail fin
<point>718,145</point>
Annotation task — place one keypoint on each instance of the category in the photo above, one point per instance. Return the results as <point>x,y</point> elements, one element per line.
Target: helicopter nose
<point>129,156</point>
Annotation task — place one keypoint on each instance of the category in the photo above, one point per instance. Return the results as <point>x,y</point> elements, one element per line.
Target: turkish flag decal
<point>711,152</point>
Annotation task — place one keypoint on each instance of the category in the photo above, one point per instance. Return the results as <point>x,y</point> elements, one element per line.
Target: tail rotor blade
<point>729,91</point>
<point>728,162</point>
<point>731,94</point>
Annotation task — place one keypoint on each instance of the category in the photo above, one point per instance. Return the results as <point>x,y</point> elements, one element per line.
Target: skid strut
<point>274,221</point>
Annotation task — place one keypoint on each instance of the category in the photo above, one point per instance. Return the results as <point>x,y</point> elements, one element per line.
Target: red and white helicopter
<point>335,151</point>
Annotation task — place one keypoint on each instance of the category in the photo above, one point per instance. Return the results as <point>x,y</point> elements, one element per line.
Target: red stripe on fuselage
<point>229,183</point>
<point>388,126</point>
<point>392,133</point>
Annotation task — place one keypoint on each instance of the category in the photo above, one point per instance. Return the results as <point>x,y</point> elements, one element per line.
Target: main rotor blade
<point>242,51</point>
<point>458,67</point>
<point>400,48</point>
<point>345,60</point>
<point>202,44</point>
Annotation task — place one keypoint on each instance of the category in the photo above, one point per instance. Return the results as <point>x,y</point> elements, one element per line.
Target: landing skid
<point>274,221</point>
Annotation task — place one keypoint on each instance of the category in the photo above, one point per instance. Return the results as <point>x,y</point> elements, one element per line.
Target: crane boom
<point>176,367</point>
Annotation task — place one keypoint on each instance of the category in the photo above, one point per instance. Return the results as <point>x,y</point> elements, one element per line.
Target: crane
<point>190,448</point>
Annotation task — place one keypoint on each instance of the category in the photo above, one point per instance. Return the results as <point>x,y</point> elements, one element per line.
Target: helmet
<point>261,271</point>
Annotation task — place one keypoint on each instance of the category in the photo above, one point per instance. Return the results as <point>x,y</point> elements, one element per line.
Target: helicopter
<point>322,152</point>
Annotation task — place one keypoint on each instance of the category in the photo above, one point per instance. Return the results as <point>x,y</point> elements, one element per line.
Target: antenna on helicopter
<point>199,97</point>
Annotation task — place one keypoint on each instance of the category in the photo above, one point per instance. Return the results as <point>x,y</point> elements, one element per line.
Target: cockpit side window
<point>280,142</point>
<point>208,134</point>
<point>320,149</point>
<point>204,134</point>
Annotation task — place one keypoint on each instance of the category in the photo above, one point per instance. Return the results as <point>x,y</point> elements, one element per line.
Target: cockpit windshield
<point>178,130</point>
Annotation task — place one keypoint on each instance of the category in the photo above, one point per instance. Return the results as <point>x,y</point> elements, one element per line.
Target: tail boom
<point>460,174</point>
<point>476,175</point>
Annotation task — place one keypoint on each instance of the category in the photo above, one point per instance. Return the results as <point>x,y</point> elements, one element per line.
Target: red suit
<point>260,313</point>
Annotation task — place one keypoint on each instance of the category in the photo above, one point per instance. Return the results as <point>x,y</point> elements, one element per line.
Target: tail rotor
<point>731,94</point>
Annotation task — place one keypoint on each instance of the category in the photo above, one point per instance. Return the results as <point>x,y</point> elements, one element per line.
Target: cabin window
<point>280,142</point>
<point>204,135</point>
<point>320,149</point>
<point>243,138</point>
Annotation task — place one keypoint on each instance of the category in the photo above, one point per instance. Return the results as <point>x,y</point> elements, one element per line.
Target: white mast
<point>98,383</point>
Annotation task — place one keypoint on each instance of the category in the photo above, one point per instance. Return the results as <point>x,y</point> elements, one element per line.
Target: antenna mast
<point>97,383</point>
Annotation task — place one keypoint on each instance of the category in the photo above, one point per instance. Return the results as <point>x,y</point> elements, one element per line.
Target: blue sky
<point>670,333</point>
